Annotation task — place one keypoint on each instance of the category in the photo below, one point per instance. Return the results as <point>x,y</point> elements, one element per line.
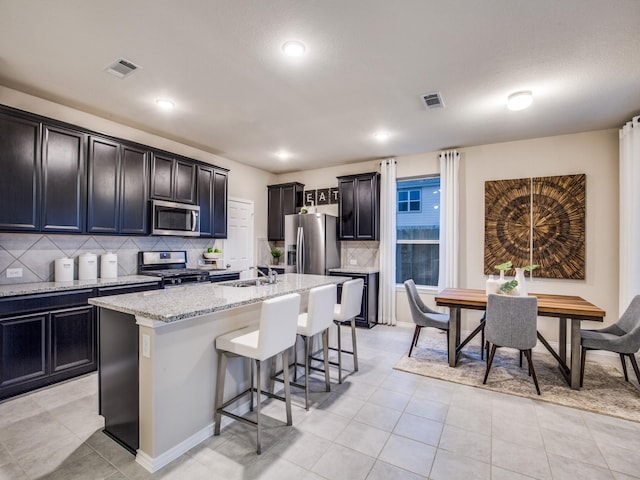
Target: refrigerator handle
<point>300,251</point>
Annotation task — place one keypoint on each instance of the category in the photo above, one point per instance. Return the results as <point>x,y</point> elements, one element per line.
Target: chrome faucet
<point>271,276</point>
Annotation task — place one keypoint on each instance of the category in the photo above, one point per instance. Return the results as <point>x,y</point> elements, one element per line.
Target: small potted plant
<point>276,253</point>
<point>508,287</point>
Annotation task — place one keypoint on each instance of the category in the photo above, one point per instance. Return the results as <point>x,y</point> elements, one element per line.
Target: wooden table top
<point>561,306</point>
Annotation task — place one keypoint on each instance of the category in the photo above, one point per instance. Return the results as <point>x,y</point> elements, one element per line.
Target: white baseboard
<point>153,464</point>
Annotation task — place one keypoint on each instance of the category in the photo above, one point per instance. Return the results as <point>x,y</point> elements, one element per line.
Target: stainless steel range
<point>171,267</point>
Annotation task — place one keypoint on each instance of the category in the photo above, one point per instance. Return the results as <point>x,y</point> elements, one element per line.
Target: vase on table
<point>522,283</point>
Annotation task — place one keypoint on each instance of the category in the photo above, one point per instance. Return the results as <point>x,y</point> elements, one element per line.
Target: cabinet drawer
<point>119,290</point>
<point>45,301</point>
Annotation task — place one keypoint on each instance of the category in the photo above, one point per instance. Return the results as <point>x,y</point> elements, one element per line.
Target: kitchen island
<point>158,363</point>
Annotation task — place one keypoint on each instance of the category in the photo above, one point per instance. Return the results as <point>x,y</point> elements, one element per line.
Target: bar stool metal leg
<point>222,370</point>
<point>354,343</point>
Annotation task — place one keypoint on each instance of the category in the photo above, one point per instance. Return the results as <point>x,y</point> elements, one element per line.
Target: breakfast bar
<point>157,358</point>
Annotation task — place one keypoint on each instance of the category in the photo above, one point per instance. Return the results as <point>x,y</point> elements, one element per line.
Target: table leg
<point>575,354</point>
<point>454,334</point>
<point>562,339</point>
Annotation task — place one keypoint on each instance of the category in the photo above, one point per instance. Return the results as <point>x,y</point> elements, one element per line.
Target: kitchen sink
<point>254,282</point>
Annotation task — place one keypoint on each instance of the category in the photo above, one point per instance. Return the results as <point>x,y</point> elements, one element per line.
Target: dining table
<point>565,308</point>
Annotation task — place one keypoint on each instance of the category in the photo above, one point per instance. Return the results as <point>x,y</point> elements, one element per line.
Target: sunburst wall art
<point>537,220</point>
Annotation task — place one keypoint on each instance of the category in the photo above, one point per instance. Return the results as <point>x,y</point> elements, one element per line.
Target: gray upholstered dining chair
<point>623,338</point>
<point>422,315</point>
<point>511,322</point>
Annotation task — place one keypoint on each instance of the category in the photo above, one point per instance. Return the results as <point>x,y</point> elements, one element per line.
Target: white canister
<point>109,265</point>
<point>64,270</point>
<point>88,266</point>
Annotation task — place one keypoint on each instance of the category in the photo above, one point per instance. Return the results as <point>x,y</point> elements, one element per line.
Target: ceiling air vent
<point>432,100</point>
<point>122,68</point>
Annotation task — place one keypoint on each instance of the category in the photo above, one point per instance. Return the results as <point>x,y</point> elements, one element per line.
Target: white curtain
<point>629,213</point>
<point>387,300</point>
<point>449,212</point>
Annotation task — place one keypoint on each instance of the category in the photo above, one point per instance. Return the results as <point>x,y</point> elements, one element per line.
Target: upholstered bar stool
<point>276,334</point>
<point>345,313</point>
<point>316,320</point>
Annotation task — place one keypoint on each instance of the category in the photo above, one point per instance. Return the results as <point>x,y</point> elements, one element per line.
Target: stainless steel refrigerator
<point>311,243</point>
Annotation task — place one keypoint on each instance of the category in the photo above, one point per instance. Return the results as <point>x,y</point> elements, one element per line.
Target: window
<point>409,200</point>
<point>418,230</point>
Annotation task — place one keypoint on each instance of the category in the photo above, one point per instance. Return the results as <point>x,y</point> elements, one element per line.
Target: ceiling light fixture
<point>283,155</point>
<point>165,104</point>
<point>293,48</point>
<point>519,100</point>
<point>381,136</point>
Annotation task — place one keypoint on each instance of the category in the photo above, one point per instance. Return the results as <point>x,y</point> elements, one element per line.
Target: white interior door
<point>238,251</point>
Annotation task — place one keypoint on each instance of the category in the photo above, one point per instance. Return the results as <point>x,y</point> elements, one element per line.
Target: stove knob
<point>178,281</point>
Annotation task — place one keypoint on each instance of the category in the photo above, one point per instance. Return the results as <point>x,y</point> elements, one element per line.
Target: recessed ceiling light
<point>282,155</point>
<point>381,136</point>
<point>165,104</point>
<point>293,48</point>
<point>519,100</point>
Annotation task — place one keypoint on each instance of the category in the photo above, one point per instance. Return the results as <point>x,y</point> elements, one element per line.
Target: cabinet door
<point>366,208</point>
<point>185,182</point>
<point>161,177</point>
<point>133,191</point>
<point>347,209</point>
<point>73,339</point>
<point>275,222</point>
<point>103,189</point>
<point>63,180</point>
<point>220,204</point>
<point>23,350</point>
<point>20,160</point>
<point>205,200</point>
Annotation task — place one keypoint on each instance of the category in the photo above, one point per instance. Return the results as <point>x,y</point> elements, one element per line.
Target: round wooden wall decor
<point>536,220</point>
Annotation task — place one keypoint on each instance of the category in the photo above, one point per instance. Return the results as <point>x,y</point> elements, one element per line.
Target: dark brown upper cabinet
<point>19,182</point>
<point>173,179</point>
<point>359,207</point>
<point>282,199</point>
<point>212,199</point>
<point>117,193</point>
<point>63,180</point>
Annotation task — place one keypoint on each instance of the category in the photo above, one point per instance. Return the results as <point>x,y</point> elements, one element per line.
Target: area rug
<point>604,390</point>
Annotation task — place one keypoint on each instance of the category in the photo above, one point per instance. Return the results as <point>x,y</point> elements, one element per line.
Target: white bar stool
<point>346,311</point>
<point>317,320</point>
<point>276,334</point>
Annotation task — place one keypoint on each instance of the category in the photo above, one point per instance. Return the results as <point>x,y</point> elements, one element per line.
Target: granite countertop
<point>180,303</point>
<point>355,269</point>
<point>47,287</point>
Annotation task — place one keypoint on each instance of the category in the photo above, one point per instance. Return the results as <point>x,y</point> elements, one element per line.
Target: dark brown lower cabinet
<point>23,340</point>
<point>73,339</point>
<point>369,312</point>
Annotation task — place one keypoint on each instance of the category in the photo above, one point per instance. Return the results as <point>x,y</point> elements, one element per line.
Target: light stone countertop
<point>180,303</point>
<point>355,269</point>
<point>48,287</point>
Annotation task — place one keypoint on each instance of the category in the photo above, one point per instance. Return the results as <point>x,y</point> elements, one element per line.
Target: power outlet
<point>353,261</point>
<point>14,272</point>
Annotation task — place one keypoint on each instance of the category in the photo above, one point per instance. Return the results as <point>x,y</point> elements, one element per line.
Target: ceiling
<point>366,66</point>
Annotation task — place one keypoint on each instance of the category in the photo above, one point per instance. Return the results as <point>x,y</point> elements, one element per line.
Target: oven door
<point>171,218</point>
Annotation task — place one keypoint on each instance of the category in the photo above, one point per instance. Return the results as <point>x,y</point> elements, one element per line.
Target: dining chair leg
<point>287,388</point>
<point>325,352</point>
<point>222,370</point>
<point>520,358</point>
<point>259,424</point>
<point>414,341</point>
<point>527,353</point>
<point>489,362</point>
<point>583,357</point>
<point>624,367</point>
<point>354,344</point>
<point>634,364</point>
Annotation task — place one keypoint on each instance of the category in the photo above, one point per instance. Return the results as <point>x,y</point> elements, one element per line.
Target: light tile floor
<point>381,424</point>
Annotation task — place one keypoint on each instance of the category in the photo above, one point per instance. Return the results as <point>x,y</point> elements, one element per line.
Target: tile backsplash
<point>365,253</point>
<point>36,253</point>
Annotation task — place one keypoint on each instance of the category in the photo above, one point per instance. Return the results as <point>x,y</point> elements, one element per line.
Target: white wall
<point>592,153</point>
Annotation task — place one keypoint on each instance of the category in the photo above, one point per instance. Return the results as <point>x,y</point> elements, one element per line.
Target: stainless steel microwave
<point>171,218</point>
